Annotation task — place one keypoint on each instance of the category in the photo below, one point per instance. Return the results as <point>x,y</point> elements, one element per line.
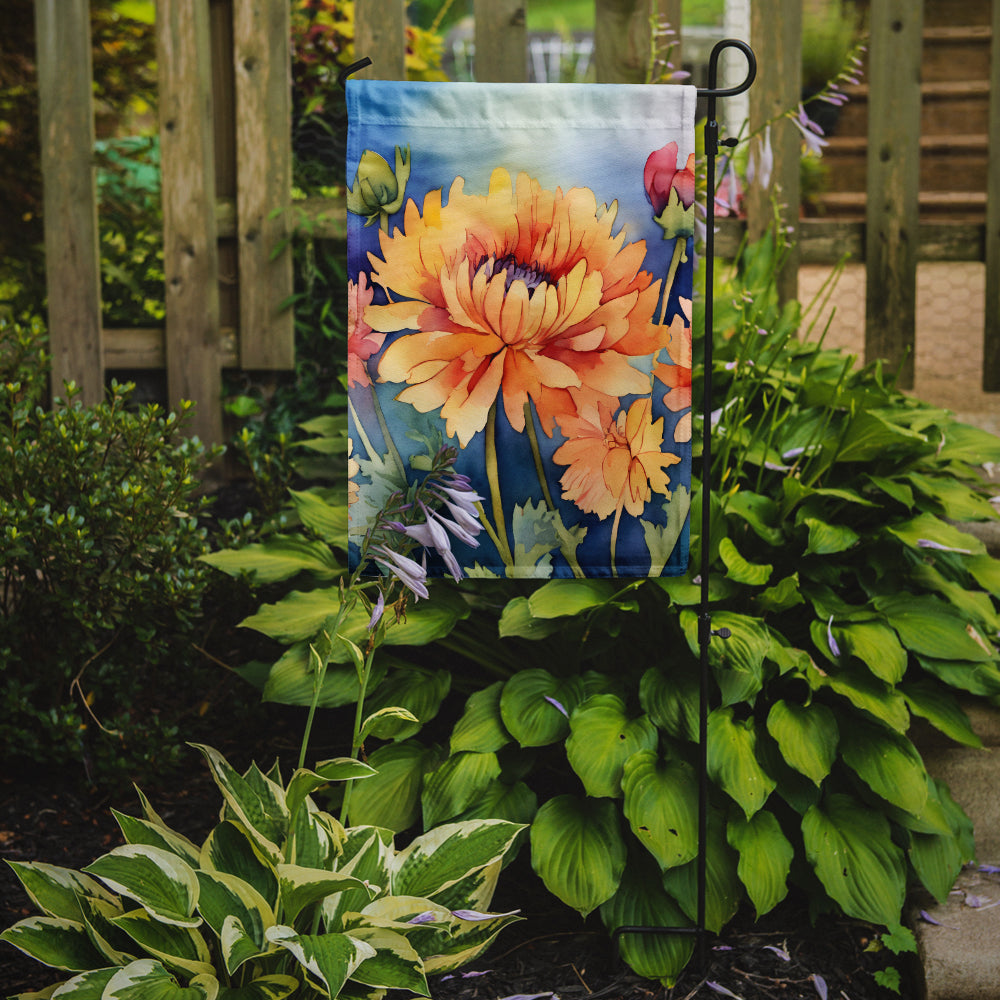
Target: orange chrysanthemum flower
<point>677,376</point>
<point>362,342</point>
<point>524,293</point>
<point>614,463</point>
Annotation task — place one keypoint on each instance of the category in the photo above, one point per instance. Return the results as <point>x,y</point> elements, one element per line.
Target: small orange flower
<point>677,376</point>
<point>362,342</point>
<point>523,293</point>
<point>614,463</point>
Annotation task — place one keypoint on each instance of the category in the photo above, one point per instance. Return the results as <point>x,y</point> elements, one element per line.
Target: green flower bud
<point>379,190</point>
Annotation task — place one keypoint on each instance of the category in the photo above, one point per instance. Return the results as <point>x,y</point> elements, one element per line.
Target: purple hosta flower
<point>927,918</point>
<point>531,996</point>
<point>820,983</point>
<point>780,952</point>
<point>990,869</point>
<point>410,573</point>
<point>475,915</point>
<point>558,705</point>
<point>719,988</point>
<point>812,134</point>
<point>834,648</point>
<point>729,195</point>
<point>427,917</point>
<point>928,543</point>
<point>761,163</point>
<point>377,611</point>
<point>465,975</point>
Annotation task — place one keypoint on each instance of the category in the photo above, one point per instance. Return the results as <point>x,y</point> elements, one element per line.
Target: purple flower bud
<point>427,917</point>
<point>410,573</point>
<point>834,648</point>
<point>558,705</point>
<point>820,983</point>
<point>377,611</point>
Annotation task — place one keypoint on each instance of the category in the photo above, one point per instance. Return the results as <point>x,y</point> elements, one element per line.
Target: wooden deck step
<point>957,206</point>
<point>956,53</point>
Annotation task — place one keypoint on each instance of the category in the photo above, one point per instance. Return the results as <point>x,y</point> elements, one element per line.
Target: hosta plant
<point>279,900</point>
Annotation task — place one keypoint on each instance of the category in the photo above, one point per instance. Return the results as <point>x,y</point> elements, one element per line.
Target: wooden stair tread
<point>929,199</point>
<point>847,145</point>
<point>958,33</point>
<point>932,89</point>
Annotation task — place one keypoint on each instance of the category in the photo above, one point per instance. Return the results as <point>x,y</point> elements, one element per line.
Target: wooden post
<point>893,183</point>
<point>190,254</point>
<point>501,41</point>
<point>622,40</point>
<point>262,61</point>
<point>380,34</point>
<point>72,256</point>
<point>991,333</point>
<point>776,34</point>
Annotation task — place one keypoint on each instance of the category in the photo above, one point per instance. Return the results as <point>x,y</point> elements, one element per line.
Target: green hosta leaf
<point>147,979</point>
<point>160,882</point>
<point>937,858</point>
<point>578,851</point>
<point>876,646</point>
<point>807,736</point>
<point>783,595</point>
<point>238,944</point>
<point>985,569</point>
<point>866,692</point>
<point>931,628</point>
<point>732,760</point>
<point>180,948</point>
<point>941,709</point>
<point>441,857</point>
<point>671,700</point>
<point>957,501</point>
<point>231,850</point>
<point>738,661</point>
<point>601,739</point>
<point>928,528</point>
<point>723,889</point>
<point>893,488</point>
<point>528,710</point>
<point>142,831</point>
<point>481,728</point>
<point>327,520</point>
<point>279,558</point>
<point>641,901</point>
<point>828,539</point>
<point>561,598</point>
<point>391,798</point>
<point>850,847</point>
<point>870,436</point>
<point>386,723</point>
<point>304,782</point>
<point>765,858</point>
<point>517,620</point>
<point>888,763</point>
<point>738,569</point>
<point>456,784</point>
<point>274,987</point>
<point>417,690</point>
<point>395,964</point>
<point>301,887</point>
<point>661,798</point>
<point>975,605</point>
<point>56,891</point>
<point>516,803</point>
<point>760,512</point>
<point>54,941</point>
<point>225,897</point>
<point>330,959</point>
<point>976,678</point>
<point>291,680</point>
<point>965,443</point>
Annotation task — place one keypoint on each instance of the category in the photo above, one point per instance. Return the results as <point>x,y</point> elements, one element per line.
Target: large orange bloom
<point>521,292</point>
<point>614,463</point>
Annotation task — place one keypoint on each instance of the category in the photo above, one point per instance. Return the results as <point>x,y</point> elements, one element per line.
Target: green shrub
<point>101,584</point>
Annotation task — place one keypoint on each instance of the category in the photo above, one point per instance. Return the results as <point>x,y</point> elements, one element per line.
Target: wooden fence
<point>226,161</point>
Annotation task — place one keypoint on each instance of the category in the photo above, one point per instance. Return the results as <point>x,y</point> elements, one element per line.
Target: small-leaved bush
<point>279,900</point>
<point>855,605</point>
<point>100,583</point>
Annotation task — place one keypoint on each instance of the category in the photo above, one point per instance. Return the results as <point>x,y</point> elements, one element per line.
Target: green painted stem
<point>493,475</point>
<point>536,453</point>
<point>614,539</point>
<point>680,246</point>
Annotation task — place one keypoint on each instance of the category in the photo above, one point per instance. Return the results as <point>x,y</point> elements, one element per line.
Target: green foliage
<point>280,899</point>
<point>101,587</point>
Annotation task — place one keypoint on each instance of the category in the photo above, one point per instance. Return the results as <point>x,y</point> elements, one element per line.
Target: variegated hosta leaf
<point>141,831</point>
<point>147,979</point>
<point>158,880</point>
<point>456,784</point>
<point>230,849</point>
<point>274,987</point>
<point>481,727</point>
<point>395,964</point>
<point>642,902</point>
<point>602,737</point>
<point>328,959</point>
<point>54,941</point>
<point>441,857</point>
<point>177,947</point>
<point>225,897</point>
<point>304,782</point>
<point>765,858</point>
<point>661,799</point>
<point>391,799</point>
<point>256,801</point>
<point>850,847</point>
<point>367,853</point>
<point>732,760</point>
<point>301,887</point>
<point>468,939</point>
<point>116,947</point>
<point>535,706</point>
<point>578,851</point>
<point>475,891</point>
<point>315,838</point>
<point>807,736</point>
<point>86,986</point>
<point>56,891</point>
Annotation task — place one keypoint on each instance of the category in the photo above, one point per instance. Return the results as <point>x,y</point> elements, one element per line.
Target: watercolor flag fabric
<point>520,265</point>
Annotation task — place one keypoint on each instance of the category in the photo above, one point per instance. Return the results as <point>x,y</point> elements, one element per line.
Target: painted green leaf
<point>535,706</point>
<point>827,539</point>
<point>54,941</point>
<point>147,979</point>
<point>732,760</point>
<point>661,799</point>
<point>439,858</point>
<point>765,858</point>
<point>671,700</point>
<point>888,763</point>
<point>738,569</point>
<point>416,689</point>
<point>602,737</point>
<point>395,964</point>
<point>641,901</point>
<point>561,598</point>
<point>807,736</point>
<point>577,850</point>
<point>177,947</point>
<point>932,628</point>
<point>330,958</point>
<point>160,882</point>
<point>55,890</point>
<point>456,784</point>
<point>850,848</point>
<point>481,728</point>
<point>936,704</point>
<point>391,798</point>
<point>279,558</point>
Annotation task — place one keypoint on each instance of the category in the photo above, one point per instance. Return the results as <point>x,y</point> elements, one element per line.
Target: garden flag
<point>520,265</point>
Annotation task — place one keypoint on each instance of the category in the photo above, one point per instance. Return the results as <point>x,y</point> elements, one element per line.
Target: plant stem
<point>493,474</point>
<point>536,453</point>
<point>356,737</point>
